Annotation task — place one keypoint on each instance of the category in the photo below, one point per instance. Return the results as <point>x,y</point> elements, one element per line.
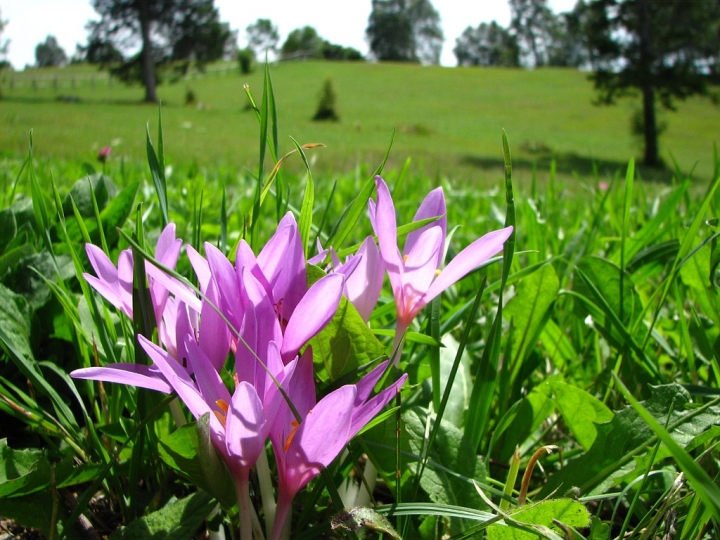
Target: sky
<point>343,22</point>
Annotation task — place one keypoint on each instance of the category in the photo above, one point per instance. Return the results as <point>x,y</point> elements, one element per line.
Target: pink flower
<point>104,153</point>
<point>415,276</point>
<point>303,448</point>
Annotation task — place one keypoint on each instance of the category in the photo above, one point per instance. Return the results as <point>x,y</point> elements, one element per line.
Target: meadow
<point>448,121</point>
<point>546,344</point>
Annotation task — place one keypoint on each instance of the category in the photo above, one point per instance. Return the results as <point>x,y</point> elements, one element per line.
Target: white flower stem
<point>266,491</point>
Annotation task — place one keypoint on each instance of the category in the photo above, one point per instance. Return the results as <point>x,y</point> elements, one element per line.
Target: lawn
<point>447,120</point>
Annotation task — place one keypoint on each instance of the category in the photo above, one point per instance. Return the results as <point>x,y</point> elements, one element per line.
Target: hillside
<point>447,120</point>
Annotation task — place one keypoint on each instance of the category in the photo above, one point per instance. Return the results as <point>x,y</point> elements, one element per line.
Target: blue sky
<point>339,21</point>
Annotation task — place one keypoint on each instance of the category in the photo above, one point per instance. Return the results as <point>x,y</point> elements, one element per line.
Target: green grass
<point>448,120</point>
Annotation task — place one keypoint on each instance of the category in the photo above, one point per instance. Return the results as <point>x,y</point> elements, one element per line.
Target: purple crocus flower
<point>115,284</point>
<point>415,276</point>
<point>304,448</point>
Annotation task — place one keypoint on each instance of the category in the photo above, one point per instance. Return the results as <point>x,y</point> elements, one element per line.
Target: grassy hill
<point>447,120</point>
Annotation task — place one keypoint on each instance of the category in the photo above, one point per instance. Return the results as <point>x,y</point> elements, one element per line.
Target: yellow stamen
<point>223,405</point>
<point>289,438</point>
<point>437,272</point>
<point>405,258</point>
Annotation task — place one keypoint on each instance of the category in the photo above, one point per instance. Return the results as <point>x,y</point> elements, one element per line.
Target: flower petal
<point>467,260</point>
<point>433,205</point>
<point>200,265</point>
<point>126,373</point>
<point>320,438</point>
<point>177,377</point>
<point>420,269</point>
<point>214,335</point>
<point>226,279</point>
<point>386,231</point>
<point>283,263</point>
<point>311,315</point>
<point>369,410</point>
<point>211,386</point>
<point>246,428</point>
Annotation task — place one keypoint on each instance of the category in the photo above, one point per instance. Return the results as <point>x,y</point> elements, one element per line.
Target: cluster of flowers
<point>262,310</point>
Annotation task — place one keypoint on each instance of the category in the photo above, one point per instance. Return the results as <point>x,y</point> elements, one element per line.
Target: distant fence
<point>37,80</point>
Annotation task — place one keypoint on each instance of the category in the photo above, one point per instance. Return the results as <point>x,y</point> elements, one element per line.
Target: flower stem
<point>281,517</point>
<point>266,491</point>
<point>242,487</point>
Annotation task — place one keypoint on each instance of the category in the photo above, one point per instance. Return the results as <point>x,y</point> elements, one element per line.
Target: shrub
<point>326,105</point>
<point>246,60</point>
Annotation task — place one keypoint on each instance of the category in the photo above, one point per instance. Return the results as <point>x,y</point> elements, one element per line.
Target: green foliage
<point>405,31</point>
<point>177,519</point>
<point>246,59</point>
<point>49,53</point>
<point>546,514</point>
<point>487,45</point>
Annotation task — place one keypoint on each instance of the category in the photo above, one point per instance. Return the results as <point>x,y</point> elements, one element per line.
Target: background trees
<point>49,53</point>
<point>665,50</point>
<point>405,31</point>
<point>262,37</point>
<point>4,45</point>
<point>487,45</point>
<point>305,42</point>
<point>169,30</point>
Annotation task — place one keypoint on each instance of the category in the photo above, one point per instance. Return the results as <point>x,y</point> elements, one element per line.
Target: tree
<point>665,50</point>
<point>50,53</point>
<point>262,36</point>
<point>100,52</point>
<point>405,31</point>
<point>535,27</point>
<point>4,46</point>
<point>169,30</point>
<point>487,45</point>
<point>303,41</point>
<point>569,46</point>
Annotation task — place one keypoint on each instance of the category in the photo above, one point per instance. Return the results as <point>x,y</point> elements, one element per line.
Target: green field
<point>447,120</point>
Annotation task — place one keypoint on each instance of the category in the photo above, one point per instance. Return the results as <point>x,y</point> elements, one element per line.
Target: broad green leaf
<point>519,422</point>
<point>114,215</point>
<point>81,193</point>
<point>695,274</point>
<point>33,511</point>
<point>8,228</point>
<point>462,385</point>
<point>627,435</point>
<point>453,463</point>
<point>566,511</point>
<point>355,518</point>
<point>345,344</point>
<point>30,277</point>
<point>581,411</point>
<point>606,277</point>
<point>529,309</point>
<point>14,323</point>
<point>177,520</point>
<point>557,345</point>
<point>698,477</point>
<point>22,471</point>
